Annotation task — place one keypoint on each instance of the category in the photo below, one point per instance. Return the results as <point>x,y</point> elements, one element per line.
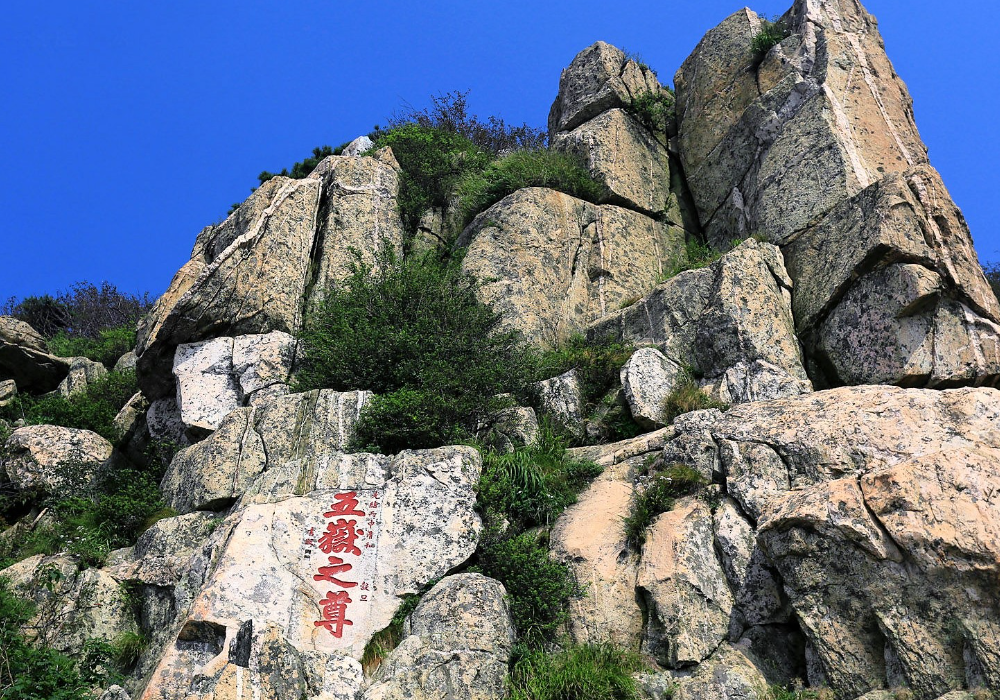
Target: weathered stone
<point>73,606</point>
<point>626,157</point>
<point>598,79</point>
<point>163,551</point>
<point>163,419</point>
<point>724,316</point>
<point>647,380</point>
<point>299,431</point>
<point>24,357</point>
<point>457,645</point>
<point>514,427</point>
<point>131,417</point>
<point>358,146</point>
<point>297,234</point>
<point>728,674</point>
<point>216,376</point>
<point>8,390</point>
<point>826,106</point>
<point>620,459</point>
<point>589,537</point>
<point>126,362</point>
<point>115,692</point>
<point>552,264</point>
<point>48,458</point>
<point>82,373</point>
<point>207,390</point>
<point>562,398</point>
<point>419,510</point>
<point>759,380</point>
<point>684,587</point>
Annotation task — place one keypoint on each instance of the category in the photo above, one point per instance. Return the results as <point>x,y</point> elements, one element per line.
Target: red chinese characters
<point>334,608</point>
<point>340,543</point>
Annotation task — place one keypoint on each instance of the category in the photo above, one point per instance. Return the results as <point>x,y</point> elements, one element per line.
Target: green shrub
<point>532,485</point>
<point>539,588</point>
<point>301,168</point>
<point>653,109</point>
<point>597,363</point>
<point>658,496</point>
<point>772,32</point>
<point>414,332</point>
<point>82,312</point>
<point>479,189</point>
<point>577,672</point>
<point>687,396</point>
<point>110,345</point>
<point>94,409</point>
<point>433,159</point>
<point>28,672</point>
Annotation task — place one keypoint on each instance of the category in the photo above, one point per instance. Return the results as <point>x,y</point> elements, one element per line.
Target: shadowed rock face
<point>814,147</point>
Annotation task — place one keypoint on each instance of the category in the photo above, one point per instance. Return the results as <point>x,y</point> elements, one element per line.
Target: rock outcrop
<point>813,146</point>
<point>552,264</point>
<point>721,321</point>
<point>49,458</point>
<point>24,358</point>
<point>295,234</point>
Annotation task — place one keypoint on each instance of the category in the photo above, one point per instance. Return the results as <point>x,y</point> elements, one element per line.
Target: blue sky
<point>127,127</point>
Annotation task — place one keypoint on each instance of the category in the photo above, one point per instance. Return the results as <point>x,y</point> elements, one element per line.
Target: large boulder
<point>552,264</point>
<point>295,234</point>
<point>49,458</point>
<point>82,373</point>
<point>600,78</point>
<point>323,558</point>
<point>24,357</point>
<point>892,575</point>
<point>300,430</point>
<point>73,605</point>
<point>218,375</point>
<point>728,315</point>
<point>684,587</point>
<point>887,285</point>
<point>457,645</point>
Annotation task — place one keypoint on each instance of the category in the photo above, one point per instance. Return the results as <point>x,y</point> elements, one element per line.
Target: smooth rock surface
<point>562,398</point>
<point>647,379</point>
<point>24,357</point>
<point>82,373</point>
<point>552,264</point>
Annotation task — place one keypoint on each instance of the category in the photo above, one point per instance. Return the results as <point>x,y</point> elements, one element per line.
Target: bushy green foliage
<point>413,332</point>
<point>597,363</point>
<point>565,172</point>
<point>301,168</point>
<point>28,672</point>
<point>94,409</point>
<point>95,520</point>
<point>109,345</point>
<point>772,32</point>
<point>654,109</point>
<point>992,274</point>
<point>450,112</point>
<point>388,638</point>
<point>82,312</point>
<point>576,672</point>
<point>433,159</point>
<point>658,496</point>
<point>539,588</point>
<point>687,396</point>
<point>532,485</point>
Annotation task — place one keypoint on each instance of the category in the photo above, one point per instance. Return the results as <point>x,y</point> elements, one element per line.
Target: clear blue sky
<point>128,126</point>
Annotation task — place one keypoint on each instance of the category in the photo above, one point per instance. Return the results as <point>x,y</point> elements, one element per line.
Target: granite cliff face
<point>845,536</point>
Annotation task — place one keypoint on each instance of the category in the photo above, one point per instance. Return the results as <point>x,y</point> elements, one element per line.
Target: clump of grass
<point>532,485</point>
<point>695,256</point>
<point>479,189</point>
<point>772,32</point>
<point>654,109</point>
<point>387,639</point>
<point>658,496</point>
<point>687,396</point>
<point>576,672</point>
